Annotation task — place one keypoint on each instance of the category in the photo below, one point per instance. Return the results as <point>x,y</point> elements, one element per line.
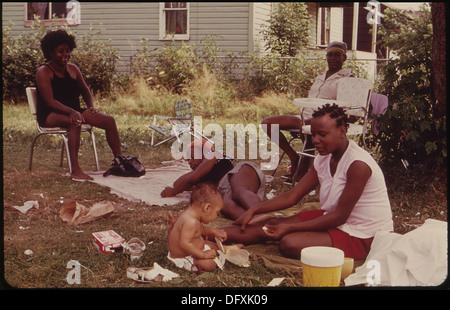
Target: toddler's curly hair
<point>204,193</point>
<point>53,39</point>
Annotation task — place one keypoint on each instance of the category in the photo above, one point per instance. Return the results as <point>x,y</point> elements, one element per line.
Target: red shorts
<point>353,247</point>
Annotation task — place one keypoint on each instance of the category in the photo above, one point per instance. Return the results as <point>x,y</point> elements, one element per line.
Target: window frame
<point>324,26</point>
<point>53,21</point>
<point>163,36</point>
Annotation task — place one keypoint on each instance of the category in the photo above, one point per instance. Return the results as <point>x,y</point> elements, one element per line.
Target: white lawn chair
<point>353,94</point>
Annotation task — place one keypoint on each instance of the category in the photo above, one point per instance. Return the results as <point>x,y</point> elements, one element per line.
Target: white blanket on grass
<point>147,188</point>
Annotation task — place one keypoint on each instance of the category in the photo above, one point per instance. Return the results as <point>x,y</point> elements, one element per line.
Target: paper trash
<point>108,241</point>
<point>150,274</point>
<point>74,213</point>
<point>27,206</point>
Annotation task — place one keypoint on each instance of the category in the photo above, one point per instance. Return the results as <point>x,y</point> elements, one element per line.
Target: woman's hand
<point>76,118</point>
<point>168,192</point>
<point>244,219</point>
<point>276,232</point>
<point>93,110</point>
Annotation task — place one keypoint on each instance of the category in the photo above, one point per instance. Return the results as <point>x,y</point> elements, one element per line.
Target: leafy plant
<point>21,57</point>
<point>288,28</point>
<point>97,60</point>
<point>408,130</point>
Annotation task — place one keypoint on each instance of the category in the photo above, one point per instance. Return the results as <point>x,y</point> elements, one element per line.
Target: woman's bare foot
<point>80,176</point>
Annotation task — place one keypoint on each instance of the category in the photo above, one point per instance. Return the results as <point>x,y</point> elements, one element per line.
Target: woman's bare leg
<point>244,186</point>
<point>285,122</point>
<point>107,123</point>
<point>292,244</point>
<point>62,120</point>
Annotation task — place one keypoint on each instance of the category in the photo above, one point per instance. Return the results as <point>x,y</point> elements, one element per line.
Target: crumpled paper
<point>149,274</point>
<point>27,206</point>
<point>233,254</point>
<point>74,213</point>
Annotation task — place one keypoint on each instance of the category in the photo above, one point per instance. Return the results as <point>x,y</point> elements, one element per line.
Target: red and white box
<point>107,242</point>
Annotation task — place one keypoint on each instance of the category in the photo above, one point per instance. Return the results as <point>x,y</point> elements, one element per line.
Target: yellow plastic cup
<point>347,267</point>
<point>321,266</point>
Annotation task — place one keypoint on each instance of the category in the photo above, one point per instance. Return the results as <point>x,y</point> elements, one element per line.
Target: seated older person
<point>325,87</point>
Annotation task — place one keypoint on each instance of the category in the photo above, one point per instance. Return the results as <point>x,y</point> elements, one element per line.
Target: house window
<point>324,14</point>
<point>174,21</point>
<point>53,13</point>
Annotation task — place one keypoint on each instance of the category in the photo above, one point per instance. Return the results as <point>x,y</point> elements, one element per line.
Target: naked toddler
<point>188,248</point>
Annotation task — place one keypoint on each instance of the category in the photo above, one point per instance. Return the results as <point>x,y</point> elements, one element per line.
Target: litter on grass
<point>154,273</point>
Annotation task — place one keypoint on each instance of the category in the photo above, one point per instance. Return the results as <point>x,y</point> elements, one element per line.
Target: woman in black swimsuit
<point>59,86</point>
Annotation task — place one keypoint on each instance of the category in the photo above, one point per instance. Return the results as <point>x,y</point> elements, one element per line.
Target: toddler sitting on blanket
<point>188,248</point>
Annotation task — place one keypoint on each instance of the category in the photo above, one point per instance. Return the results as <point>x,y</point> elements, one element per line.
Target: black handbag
<point>126,166</point>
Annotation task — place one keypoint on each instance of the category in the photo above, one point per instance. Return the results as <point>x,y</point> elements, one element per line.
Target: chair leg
<point>282,155</point>
<point>279,162</point>
<point>32,150</point>
<point>302,153</point>
<point>66,143</point>
<point>94,146</point>
<point>62,154</point>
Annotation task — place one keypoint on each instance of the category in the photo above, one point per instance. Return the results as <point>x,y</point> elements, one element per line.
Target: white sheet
<point>417,258</point>
<point>147,188</point>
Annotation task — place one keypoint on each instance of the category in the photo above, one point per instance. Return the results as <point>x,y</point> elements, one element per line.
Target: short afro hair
<point>53,39</point>
<point>335,112</point>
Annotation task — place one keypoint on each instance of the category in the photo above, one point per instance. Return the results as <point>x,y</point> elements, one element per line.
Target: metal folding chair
<point>32,99</point>
<point>174,127</point>
<point>353,94</point>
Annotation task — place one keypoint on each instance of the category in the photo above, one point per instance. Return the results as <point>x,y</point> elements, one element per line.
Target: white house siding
<point>336,24</point>
<point>261,15</point>
<point>227,20</point>
<point>312,10</point>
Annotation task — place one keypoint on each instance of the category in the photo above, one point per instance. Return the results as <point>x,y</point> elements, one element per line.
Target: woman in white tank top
<point>353,197</point>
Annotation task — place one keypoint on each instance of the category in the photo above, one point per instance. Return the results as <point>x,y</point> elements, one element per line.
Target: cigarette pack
<point>107,242</point>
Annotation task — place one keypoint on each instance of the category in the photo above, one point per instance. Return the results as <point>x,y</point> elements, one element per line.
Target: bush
<point>288,29</point>
<point>21,57</point>
<point>176,65</point>
<point>97,60</point>
<point>408,130</point>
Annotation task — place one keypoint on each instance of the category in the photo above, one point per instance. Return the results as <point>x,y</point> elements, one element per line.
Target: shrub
<point>21,57</point>
<point>177,64</point>
<point>97,60</point>
<point>288,28</point>
<point>408,129</point>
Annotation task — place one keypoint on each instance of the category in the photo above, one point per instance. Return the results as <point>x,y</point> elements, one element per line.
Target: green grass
<point>54,243</point>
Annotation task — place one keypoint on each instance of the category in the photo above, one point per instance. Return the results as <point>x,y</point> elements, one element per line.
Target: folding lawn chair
<point>32,100</point>
<point>175,127</point>
<point>353,94</point>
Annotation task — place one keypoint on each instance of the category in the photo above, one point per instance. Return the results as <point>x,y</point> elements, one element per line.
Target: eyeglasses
<point>334,54</point>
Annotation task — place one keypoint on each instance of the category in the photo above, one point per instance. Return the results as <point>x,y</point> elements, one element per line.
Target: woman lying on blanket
<point>353,198</point>
<point>242,186</point>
